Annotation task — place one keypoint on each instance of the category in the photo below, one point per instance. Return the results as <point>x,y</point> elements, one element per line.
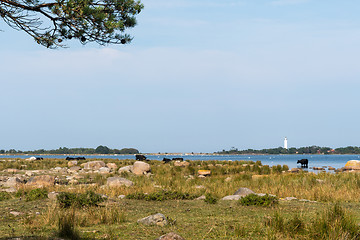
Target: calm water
<point>336,161</point>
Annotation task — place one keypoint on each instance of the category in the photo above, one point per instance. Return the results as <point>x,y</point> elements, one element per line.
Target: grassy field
<point>331,209</point>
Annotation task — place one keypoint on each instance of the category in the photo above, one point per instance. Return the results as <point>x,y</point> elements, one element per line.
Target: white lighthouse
<point>285,143</point>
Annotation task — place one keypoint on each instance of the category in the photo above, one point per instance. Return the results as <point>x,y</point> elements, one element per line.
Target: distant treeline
<point>65,150</point>
<point>301,150</point>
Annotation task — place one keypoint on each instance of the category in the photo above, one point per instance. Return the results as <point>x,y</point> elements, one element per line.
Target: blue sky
<point>200,75</point>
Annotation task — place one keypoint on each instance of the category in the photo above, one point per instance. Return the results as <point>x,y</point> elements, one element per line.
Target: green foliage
<point>256,200</point>
<point>87,199</point>
<point>162,195</point>
<point>36,194</point>
<point>211,199</point>
<point>4,196</point>
<point>103,22</point>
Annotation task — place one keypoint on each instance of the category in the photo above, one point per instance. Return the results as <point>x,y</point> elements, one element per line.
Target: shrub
<point>256,200</point>
<point>35,194</point>
<point>87,199</point>
<point>4,196</point>
<point>209,198</point>
<point>162,195</point>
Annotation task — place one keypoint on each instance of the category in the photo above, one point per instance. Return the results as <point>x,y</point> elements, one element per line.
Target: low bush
<point>211,199</point>
<point>162,195</point>
<point>256,200</point>
<point>87,199</point>
<point>36,194</point>
<point>4,196</point>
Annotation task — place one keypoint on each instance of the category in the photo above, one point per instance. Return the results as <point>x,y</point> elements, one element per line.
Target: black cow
<point>140,157</point>
<point>166,160</point>
<point>75,158</point>
<point>178,159</point>
<point>39,158</point>
<point>304,163</point>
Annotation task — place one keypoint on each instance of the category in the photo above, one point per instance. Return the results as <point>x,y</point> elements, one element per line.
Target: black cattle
<point>304,163</point>
<point>39,158</point>
<point>166,160</point>
<point>178,159</point>
<point>75,158</point>
<point>140,157</point>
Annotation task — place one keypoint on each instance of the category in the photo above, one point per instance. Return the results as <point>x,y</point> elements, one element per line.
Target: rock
<point>202,197</point>
<point>9,190</point>
<point>141,168</point>
<point>41,181</point>
<point>29,173</point>
<point>204,172</point>
<point>228,179</point>
<point>244,192</point>
<point>94,165</point>
<point>104,170</point>
<point>352,165</point>
<point>318,168</point>
<point>170,236</point>
<point>112,166</point>
<point>73,169</point>
<point>332,168</point>
<point>289,198</point>
<point>118,182</point>
<point>125,169</point>
<point>295,170</point>
<point>156,219</point>
<point>199,186</point>
<point>53,195</point>
<point>121,196</point>
<point>11,170</point>
<point>232,197</point>
<point>13,182</point>
<point>16,213</point>
<point>181,164</point>
<point>72,163</point>
<point>320,180</point>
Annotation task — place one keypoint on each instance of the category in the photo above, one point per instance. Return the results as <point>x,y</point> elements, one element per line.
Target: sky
<point>199,76</point>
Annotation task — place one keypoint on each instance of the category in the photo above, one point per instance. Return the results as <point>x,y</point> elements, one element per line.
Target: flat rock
<point>141,168</point>
<point>157,219</point>
<point>244,192</point>
<point>181,164</point>
<point>13,182</point>
<point>112,166</point>
<point>125,169</point>
<point>232,197</point>
<point>104,170</point>
<point>72,163</point>
<point>202,197</point>
<point>41,181</point>
<point>289,198</point>
<point>93,165</point>
<point>118,182</point>
<point>171,236</point>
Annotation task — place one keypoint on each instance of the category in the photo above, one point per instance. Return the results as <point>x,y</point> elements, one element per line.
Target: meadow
<point>326,204</point>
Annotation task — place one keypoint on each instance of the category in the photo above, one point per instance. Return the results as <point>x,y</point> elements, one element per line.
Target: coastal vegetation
<point>64,150</point>
<point>301,150</point>
<point>284,204</point>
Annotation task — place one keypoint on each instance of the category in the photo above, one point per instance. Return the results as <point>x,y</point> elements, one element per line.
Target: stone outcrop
<point>204,172</point>
<point>232,197</point>
<point>112,166</point>
<point>94,165</point>
<point>181,164</point>
<point>156,219</point>
<point>171,236</point>
<point>72,163</point>
<point>125,169</point>
<point>41,181</point>
<point>244,192</point>
<point>13,182</point>
<point>141,168</point>
<point>118,182</point>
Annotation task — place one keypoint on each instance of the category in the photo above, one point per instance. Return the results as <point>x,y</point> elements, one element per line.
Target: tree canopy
<point>52,22</point>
